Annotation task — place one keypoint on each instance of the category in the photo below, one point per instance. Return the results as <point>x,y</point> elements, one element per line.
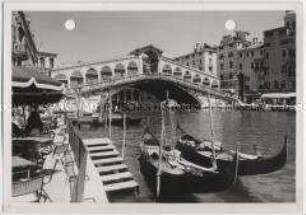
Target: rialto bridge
<point>144,70</point>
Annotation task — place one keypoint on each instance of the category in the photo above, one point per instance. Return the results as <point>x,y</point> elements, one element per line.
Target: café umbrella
<point>31,86</point>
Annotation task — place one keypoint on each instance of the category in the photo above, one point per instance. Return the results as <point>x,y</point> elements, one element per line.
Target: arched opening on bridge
<point>150,61</point>
<point>167,70</point>
<point>132,68</point>
<point>214,84</point>
<point>177,71</point>
<point>187,76</point>
<point>119,70</point>
<point>91,76</point>
<point>197,79</point>
<point>76,79</point>
<point>62,78</point>
<point>206,82</point>
<point>106,73</point>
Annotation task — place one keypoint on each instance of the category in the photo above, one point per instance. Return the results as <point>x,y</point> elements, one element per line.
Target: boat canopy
<point>278,96</point>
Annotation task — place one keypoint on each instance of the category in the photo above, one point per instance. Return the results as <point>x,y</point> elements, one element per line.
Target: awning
<point>31,86</point>
<point>278,95</point>
<point>24,77</point>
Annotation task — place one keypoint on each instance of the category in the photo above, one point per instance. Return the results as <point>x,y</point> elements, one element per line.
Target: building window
<point>248,54</point>
<point>275,84</point>
<point>221,56</point>
<point>210,68</point>
<point>200,61</point>
<point>231,64</point>
<point>284,53</point>
<point>230,76</point>
<point>240,66</point>
<point>193,62</point>
<point>261,52</point>
<point>200,68</point>
<point>42,62</point>
<point>252,65</point>
<point>51,62</point>
<point>267,55</point>
<point>210,52</point>
<point>252,53</point>
<point>240,55</point>
<point>230,54</point>
<point>221,66</point>
<point>187,64</point>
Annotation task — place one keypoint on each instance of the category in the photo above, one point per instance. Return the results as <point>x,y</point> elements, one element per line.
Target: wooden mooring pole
<point>124,136</point>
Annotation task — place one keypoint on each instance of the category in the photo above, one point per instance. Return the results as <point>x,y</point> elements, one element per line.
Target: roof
<point>278,95</point>
<point>146,48</point>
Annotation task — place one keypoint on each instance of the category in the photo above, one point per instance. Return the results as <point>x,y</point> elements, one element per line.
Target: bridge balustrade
<point>117,81</point>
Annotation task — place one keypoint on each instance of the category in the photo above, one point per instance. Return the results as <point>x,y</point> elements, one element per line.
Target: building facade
<point>24,50</point>
<point>248,67</point>
<point>228,57</point>
<point>203,58</point>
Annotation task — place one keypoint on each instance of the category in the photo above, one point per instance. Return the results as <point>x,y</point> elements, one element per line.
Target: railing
<point>117,81</point>
<point>80,158</point>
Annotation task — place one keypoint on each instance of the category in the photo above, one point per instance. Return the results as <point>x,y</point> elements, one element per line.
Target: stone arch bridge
<point>145,69</point>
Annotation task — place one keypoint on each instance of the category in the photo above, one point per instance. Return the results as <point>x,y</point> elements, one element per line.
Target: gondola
<point>200,152</point>
<point>179,174</point>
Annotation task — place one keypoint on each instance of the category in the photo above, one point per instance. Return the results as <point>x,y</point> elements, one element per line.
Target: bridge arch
<point>187,75</point>
<point>177,71</point>
<point>106,73</point>
<point>91,76</point>
<point>206,82</point>
<point>214,84</point>
<point>62,78</point>
<point>119,70</point>
<point>132,68</point>
<point>197,79</point>
<point>150,59</point>
<point>167,70</point>
<point>76,79</point>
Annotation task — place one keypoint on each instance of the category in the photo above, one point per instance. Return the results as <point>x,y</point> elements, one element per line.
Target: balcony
<point>20,52</point>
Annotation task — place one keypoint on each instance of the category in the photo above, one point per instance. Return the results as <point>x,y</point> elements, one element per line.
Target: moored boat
<point>179,174</point>
<point>200,152</point>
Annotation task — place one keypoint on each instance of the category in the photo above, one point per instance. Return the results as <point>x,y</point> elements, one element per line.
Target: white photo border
<point>186,208</point>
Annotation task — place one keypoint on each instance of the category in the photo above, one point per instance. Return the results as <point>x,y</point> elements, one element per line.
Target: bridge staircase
<point>113,172</point>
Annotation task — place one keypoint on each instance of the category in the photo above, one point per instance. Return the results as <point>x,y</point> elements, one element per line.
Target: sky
<point>105,35</point>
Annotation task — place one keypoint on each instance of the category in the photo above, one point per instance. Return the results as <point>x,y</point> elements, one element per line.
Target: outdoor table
<point>23,164</point>
<point>32,146</point>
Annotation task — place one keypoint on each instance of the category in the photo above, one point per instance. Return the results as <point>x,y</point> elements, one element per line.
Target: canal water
<point>264,129</point>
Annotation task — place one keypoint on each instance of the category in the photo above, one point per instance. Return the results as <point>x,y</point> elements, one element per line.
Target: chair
<point>24,190</point>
